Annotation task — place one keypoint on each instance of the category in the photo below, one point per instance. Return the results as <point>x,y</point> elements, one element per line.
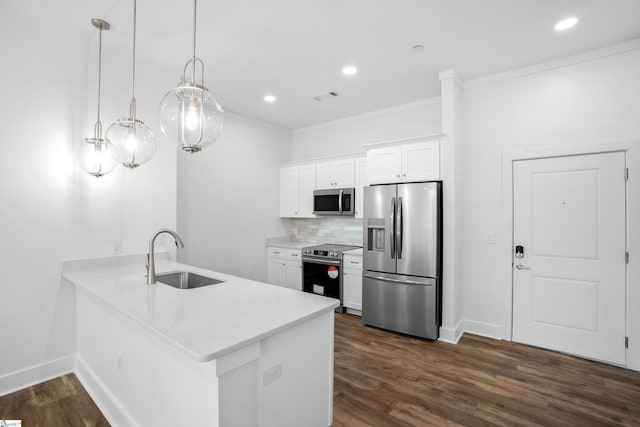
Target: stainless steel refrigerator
<point>402,250</point>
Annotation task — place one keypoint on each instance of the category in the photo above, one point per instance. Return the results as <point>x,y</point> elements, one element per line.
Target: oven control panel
<point>327,251</point>
<point>319,252</point>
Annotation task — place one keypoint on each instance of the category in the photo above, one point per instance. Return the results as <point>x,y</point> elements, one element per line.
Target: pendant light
<point>134,142</point>
<point>189,114</point>
<point>95,155</point>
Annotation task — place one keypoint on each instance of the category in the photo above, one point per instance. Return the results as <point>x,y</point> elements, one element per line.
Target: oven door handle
<point>320,261</point>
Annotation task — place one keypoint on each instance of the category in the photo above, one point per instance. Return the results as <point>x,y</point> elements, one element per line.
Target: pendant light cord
<point>98,129</point>
<point>132,107</point>
<point>195,8</point>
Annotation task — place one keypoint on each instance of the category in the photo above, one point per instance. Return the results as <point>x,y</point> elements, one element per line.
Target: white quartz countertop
<point>290,245</point>
<point>203,323</point>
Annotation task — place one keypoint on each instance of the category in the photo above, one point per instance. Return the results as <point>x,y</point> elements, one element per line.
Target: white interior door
<point>569,287</point>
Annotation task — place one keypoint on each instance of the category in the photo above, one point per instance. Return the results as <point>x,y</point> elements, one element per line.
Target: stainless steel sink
<point>186,280</point>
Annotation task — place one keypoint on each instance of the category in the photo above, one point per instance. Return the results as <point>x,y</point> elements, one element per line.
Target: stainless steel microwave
<point>334,201</point>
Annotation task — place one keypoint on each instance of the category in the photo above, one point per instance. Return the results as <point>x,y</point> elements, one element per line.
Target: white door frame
<point>631,148</point>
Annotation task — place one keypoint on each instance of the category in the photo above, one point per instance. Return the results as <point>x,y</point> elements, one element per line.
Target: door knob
<point>522,267</point>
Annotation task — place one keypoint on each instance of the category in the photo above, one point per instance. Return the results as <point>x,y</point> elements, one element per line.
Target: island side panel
<point>145,381</point>
<point>303,393</point>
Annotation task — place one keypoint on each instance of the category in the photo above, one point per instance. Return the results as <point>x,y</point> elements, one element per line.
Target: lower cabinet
<point>352,282</point>
<point>277,271</point>
<point>294,275</point>
<point>284,267</point>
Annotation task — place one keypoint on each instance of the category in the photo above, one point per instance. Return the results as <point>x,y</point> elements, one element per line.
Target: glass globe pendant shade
<point>133,142</point>
<point>190,116</point>
<point>96,156</point>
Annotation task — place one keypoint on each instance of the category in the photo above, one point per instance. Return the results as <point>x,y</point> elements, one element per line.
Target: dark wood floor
<point>55,403</point>
<point>386,379</point>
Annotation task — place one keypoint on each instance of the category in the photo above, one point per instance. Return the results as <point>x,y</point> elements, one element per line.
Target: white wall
<point>127,205</point>
<point>53,211</point>
<point>345,136</point>
<point>575,104</point>
<point>228,198</point>
<point>43,96</point>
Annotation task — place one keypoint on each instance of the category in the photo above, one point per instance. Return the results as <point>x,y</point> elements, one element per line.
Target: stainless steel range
<point>322,270</point>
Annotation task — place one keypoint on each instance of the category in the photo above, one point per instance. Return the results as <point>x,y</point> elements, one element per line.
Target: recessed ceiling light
<point>270,99</point>
<point>565,24</point>
<point>349,70</point>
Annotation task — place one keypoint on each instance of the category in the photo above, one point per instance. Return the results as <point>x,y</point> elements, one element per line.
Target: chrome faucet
<point>151,264</point>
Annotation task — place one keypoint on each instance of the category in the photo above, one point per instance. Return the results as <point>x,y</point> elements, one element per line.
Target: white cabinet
<point>294,269</point>
<point>418,161</point>
<point>361,182</point>
<point>384,164</point>
<point>276,266</point>
<point>352,282</point>
<point>335,174</point>
<point>296,191</point>
<point>284,267</point>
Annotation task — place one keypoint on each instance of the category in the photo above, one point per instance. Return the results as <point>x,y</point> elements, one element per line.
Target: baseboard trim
<point>483,329</point>
<point>36,374</point>
<point>451,335</point>
<point>108,404</point>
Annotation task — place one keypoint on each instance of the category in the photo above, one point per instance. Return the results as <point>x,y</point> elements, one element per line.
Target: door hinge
<point>626,174</point>
<point>626,257</point>
<point>626,342</point>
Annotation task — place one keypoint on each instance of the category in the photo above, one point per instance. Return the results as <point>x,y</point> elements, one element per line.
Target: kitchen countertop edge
<point>82,285</point>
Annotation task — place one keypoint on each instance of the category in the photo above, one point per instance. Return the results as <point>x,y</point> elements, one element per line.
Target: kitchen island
<point>238,352</point>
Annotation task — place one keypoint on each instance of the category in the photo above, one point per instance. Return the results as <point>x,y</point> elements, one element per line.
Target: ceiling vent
<point>325,96</point>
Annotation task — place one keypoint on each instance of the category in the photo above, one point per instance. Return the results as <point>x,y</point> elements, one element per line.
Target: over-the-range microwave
<point>334,201</point>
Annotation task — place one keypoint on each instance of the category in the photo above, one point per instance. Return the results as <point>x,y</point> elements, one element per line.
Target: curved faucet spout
<point>151,264</point>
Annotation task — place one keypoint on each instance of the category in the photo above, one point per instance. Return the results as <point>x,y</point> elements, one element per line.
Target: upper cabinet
<point>296,191</point>
<point>335,174</point>
<point>419,161</point>
<point>361,182</point>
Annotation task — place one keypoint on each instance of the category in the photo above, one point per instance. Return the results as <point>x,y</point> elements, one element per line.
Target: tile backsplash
<point>331,229</point>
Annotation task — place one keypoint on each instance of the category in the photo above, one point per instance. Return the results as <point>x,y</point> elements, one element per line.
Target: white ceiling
<point>295,49</point>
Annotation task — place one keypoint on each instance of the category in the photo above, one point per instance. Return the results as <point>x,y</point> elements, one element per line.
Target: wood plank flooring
<point>55,403</point>
<point>386,379</point>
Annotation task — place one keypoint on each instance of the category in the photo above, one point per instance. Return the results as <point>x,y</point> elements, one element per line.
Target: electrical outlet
<point>271,374</point>
<point>490,238</point>
<point>116,247</point>
<point>119,361</point>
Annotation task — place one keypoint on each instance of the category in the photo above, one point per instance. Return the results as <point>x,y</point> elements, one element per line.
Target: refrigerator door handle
<point>388,279</point>
<point>392,227</point>
<point>399,228</point>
